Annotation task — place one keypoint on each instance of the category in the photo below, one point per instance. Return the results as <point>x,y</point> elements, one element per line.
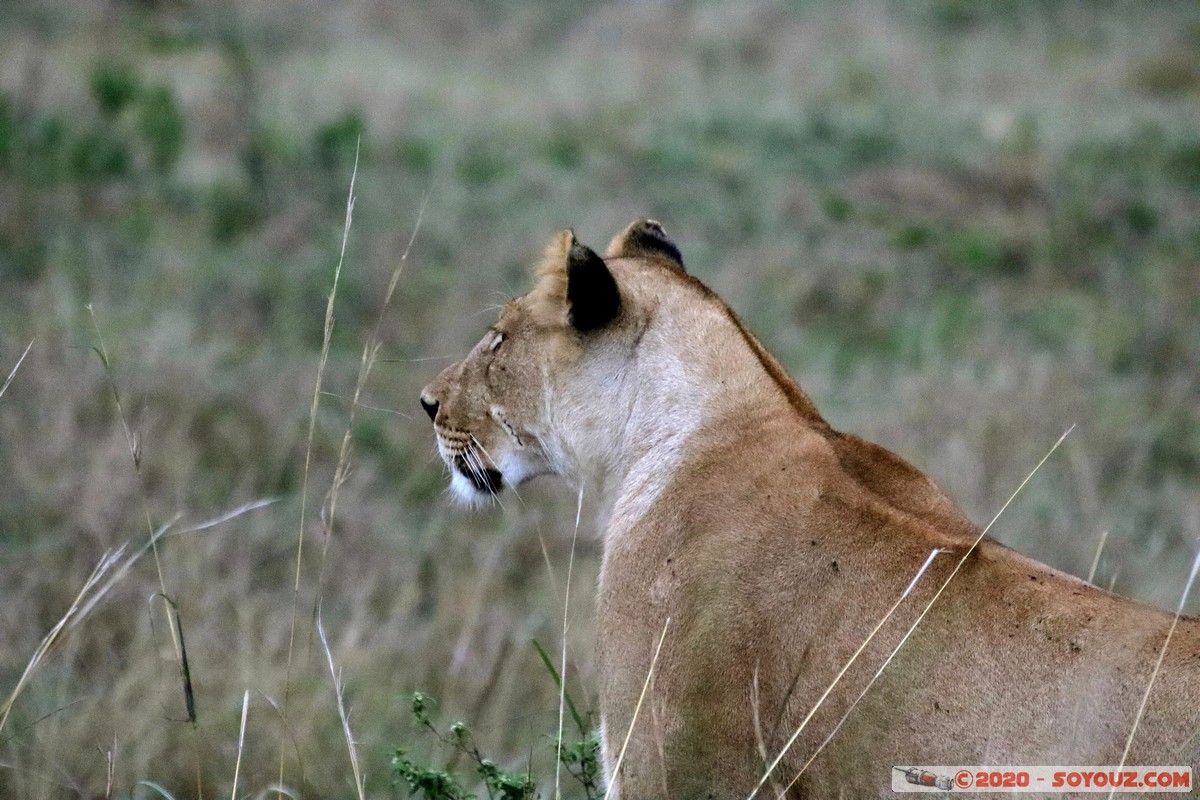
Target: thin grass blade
<point>637,709</point>
<point>17,366</point>
<point>1162,653</point>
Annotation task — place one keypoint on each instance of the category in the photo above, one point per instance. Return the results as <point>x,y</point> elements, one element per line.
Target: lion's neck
<point>671,408</point>
<point>683,404</point>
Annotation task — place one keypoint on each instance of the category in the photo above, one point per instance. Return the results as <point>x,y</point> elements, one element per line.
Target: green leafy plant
<point>433,783</point>
<point>423,779</point>
<point>581,759</point>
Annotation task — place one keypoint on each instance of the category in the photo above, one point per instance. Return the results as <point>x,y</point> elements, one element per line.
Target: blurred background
<point>962,226</point>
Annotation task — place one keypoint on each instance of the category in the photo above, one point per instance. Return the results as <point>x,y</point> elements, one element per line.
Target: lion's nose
<point>430,406</point>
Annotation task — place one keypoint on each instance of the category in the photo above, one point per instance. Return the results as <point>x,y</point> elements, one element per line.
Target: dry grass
<point>562,664</point>
<point>335,675</point>
<point>241,745</point>
<point>13,373</point>
<point>326,337</point>
<point>92,588</point>
<point>1162,653</point>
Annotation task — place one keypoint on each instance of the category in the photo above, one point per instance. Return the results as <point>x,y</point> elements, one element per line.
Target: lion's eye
<point>496,342</point>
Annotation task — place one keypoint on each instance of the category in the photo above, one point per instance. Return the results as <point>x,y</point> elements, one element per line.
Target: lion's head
<point>544,388</point>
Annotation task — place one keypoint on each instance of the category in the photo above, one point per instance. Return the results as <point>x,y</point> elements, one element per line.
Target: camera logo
<point>923,777</point>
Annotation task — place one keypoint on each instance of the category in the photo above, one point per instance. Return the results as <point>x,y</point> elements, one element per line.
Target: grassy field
<point>964,227</point>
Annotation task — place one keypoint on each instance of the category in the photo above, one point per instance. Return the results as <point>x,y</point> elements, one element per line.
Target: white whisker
<point>496,466</point>
<point>479,469</point>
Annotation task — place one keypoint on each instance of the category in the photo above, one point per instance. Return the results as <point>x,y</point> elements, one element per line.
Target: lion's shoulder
<point>900,484</point>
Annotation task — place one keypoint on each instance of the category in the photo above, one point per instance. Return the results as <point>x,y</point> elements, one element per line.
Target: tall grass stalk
<point>290,737</point>
<point>548,663</point>
<point>163,531</point>
<point>135,455</point>
<point>583,728</point>
<point>234,513</point>
<point>1096,558</point>
<point>156,787</point>
<point>837,679</point>
<point>616,772</point>
<point>237,765</point>
<point>17,366</point>
<point>78,608</point>
<point>135,451</point>
<point>312,424</point>
<point>282,791</point>
<point>1137,720</point>
<point>109,571</point>
<point>339,693</point>
<point>175,625</point>
<point>562,683</point>
<point>928,606</point>
<point>370,355</point>
<point>759,740</point>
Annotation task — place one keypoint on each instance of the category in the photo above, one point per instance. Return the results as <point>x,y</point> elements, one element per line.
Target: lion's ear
<point>575,283</point>
<point>592,296</point>
<point>645,237</point>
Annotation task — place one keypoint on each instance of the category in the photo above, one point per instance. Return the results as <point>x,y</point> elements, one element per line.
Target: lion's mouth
<point>485,479</point>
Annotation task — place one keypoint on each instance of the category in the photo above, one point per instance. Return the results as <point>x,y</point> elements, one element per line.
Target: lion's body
<point>774,545</point>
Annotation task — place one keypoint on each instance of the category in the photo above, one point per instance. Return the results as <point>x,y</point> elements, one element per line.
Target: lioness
<point>774,545</point>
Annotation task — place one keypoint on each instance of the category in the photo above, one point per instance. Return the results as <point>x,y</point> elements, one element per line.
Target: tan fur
<point>774,544</point>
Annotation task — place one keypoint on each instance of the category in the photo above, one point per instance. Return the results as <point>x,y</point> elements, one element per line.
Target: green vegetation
<point>962,226</point>
<point>431,783</point>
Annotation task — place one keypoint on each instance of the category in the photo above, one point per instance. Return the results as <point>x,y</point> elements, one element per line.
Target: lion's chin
<point>475,487</point>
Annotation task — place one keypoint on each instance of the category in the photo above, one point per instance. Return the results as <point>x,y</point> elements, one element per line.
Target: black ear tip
<point>580,252</point>
<point>648,235</point>
<point>592,293</point>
